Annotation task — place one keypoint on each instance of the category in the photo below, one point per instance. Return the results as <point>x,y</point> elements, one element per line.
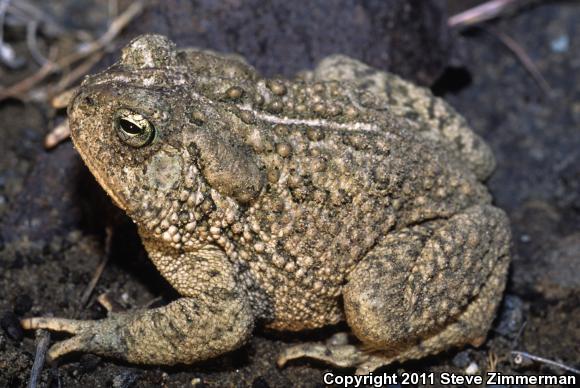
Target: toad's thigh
<point>420,280</point>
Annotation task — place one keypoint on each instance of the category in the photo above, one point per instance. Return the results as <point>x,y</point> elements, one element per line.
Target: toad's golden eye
<point>133,129</point>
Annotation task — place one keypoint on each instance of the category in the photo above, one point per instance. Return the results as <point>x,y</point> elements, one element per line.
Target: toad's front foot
<point>185,331</point>
<point>103,337</point>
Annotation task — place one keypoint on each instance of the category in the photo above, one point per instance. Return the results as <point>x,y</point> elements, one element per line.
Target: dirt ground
<point>53,216</point>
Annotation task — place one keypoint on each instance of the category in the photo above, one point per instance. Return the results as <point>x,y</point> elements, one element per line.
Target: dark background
<point>53,214</point>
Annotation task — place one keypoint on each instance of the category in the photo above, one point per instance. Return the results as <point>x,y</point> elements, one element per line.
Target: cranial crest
<point>149,51</point>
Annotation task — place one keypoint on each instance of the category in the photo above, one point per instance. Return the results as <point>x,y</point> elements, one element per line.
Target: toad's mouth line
<point>95,172</point>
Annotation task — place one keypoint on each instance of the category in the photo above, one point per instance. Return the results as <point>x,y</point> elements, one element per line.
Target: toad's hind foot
<point>336,351</point>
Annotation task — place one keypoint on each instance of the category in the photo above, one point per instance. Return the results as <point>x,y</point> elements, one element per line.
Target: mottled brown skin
<point>346,194</point>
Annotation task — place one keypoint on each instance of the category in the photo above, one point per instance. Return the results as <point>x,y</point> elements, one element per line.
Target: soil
<point>53,215</point>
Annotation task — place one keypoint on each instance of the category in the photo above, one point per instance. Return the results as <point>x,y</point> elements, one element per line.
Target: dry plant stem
<point>524,58</point>
<point>32,43</point>
<point>43,339</point>
<point>31,81</point>
<point>105,301</point>
<point>51,67</point>
<point>100,268</point>
<point>77,73</point>
<point>59,134</point>
<point>114,29</point>
<point>26,11</point>
<point>519,335</point>
<point>113,10</point>
<point>492,9</point>
<point>543,360</point>
<point>5,49</point>
<point>482,12</point>
<point>3,7</point>
<point>153,301</point>
<point>94,280</point>
<point>62,99</point>
<point>492,361</point>
<point>109,304</point>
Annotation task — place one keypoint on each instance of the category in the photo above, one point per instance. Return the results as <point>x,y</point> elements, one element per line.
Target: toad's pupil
<point>130,127</point>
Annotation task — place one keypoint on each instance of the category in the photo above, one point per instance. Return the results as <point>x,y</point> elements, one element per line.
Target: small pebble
<point>561,44</point>
<point>125,297</point>
<point>461,359</point>
<point>511,316</point>
<point>471,369</point>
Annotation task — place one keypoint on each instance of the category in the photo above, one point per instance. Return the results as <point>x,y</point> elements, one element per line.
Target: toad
<point>345,194</point>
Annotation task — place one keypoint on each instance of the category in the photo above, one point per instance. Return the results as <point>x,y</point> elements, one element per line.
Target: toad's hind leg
<point>422,290</point>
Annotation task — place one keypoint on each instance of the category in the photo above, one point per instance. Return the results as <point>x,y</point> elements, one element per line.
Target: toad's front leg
<point>185,331</point>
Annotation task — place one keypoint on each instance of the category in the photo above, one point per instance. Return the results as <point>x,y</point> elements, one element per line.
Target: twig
<point>3,7</point>
<point>519,335</point>
<point>63,96</point>
<point>518,358</point>
<point>84,51</point>
<point>31,42</point>
<point>7,54</point>
<point>153,301</point>
<point>490,10</point>
<point>94,280</point>
<point>25,10</point>
<point>109,304</point>
<point>113,9</point>
<point>77,73</point>
<point>62,99</point>
<point>524,58</point>
<point>99,270</point>
<point>58,134</point>
<point>114,29</point>
<point>32,80</point>
<point>43,339</point>
<point>480,13</point>
<point>492,361</point>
